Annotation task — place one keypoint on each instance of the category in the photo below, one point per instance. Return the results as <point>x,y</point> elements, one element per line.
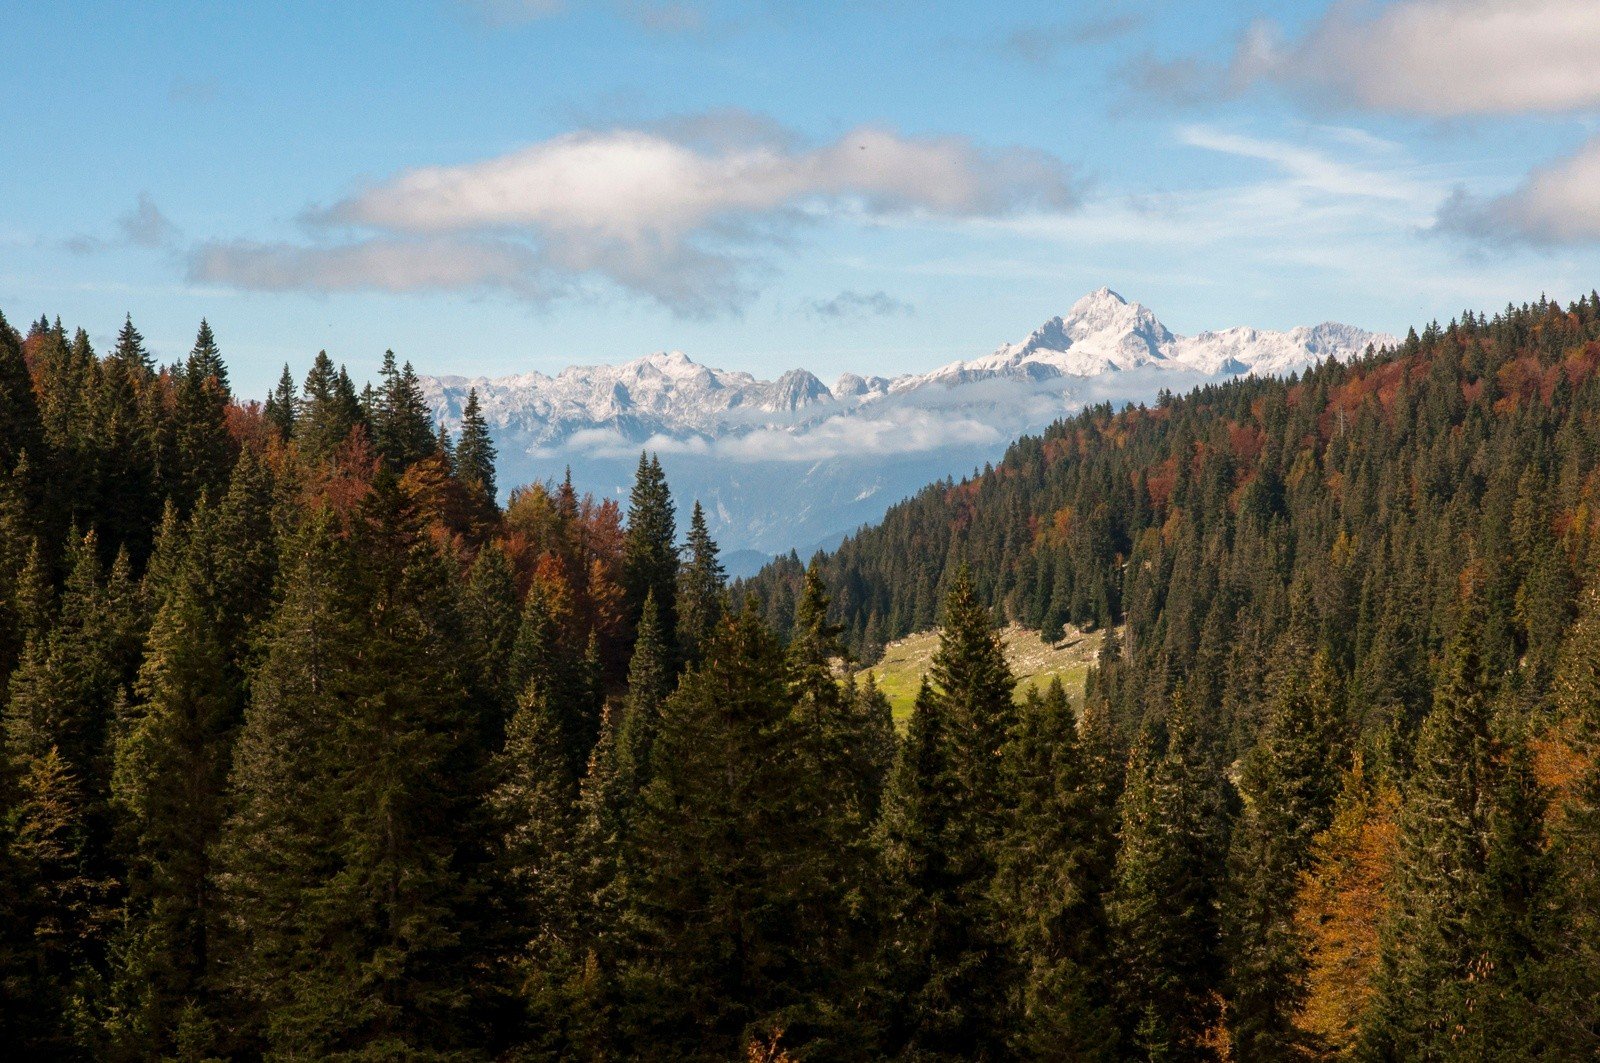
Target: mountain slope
<point>850,451</point>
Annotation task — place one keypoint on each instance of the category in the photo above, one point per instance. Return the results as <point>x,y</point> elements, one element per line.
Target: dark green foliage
<point>701,589</point>
<point>1053,872</point>
<point>1163,903</point>
<point>727,887</point>
<point>402,426</point>
<point>310,754</point>
<point>475,451</point>
<point>21,431</point>
<point>282,407</point>
<point>650,550</point>
<point>1289,783</point>
<point>328,412</point>
<point>345,859</point>
<point>945,825</point>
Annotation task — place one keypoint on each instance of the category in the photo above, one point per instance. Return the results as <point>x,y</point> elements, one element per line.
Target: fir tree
<point>700,589</point>
<point>1289,793</point>
<point>1053,871</point>
<point>1163,901</point>
<point>283,405</point>
<point>650,552</point>
<point>402,426</point>
<point>475,451</point>
<point>720,900</point>
<point>953,967</point>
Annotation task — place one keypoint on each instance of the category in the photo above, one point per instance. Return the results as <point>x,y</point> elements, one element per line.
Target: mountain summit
<point>856,448</point>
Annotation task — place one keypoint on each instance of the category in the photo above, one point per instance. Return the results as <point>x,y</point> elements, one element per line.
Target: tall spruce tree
<point>701,586</point>
<point>1163,905</point>
<point>723,880</point>
<point>650,551</point>
<point>475,451</point>
<point>1053,871</point>
<point>946,821</point>
<point>283,405</point>
<point>1289,784</point>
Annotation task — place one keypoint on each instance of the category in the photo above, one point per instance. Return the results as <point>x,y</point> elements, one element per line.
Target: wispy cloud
<point>1039,45</point>
<point>1437,58</point>
<point>142,227</point>
<point>678,215</point>
<point>848,305</point>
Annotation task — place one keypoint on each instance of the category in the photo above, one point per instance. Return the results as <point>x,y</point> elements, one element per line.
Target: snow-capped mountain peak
<point>727,436</point>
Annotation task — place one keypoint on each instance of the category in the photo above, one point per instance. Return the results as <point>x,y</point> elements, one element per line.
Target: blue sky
<point>491,186</point>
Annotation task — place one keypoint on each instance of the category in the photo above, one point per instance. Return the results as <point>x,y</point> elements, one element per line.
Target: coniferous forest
<point>312,749</point>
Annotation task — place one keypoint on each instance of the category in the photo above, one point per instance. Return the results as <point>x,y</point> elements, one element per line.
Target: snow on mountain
<point>792,463</point>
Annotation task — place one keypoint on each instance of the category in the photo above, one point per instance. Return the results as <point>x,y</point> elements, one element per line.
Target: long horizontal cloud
<point>1556,204</point>
<point>663,212</point>
<point>1438,58</point>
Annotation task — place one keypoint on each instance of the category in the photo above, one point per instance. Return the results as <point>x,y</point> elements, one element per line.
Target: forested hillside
<point>311,750</point>
<point>1356,681</point>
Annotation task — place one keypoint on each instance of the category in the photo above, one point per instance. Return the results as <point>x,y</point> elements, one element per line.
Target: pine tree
<point>953,968</point>
<point>475,451</point>
<point>720,899</point>
<point>1163,901</point>
<point>649,683</point>
<point>1053,871</point>
<point>204,449</point>
<point>328,413</point>
<point>1289,793</point>
<point>1574,963</point>
<point>283,405</point>
<point>344,869</point>
<point>1468,860</point>
<point>701,587</point>
<point>171,763</point>
<point>650,552</point>
<point>401,423</point>
<point>21,431</point>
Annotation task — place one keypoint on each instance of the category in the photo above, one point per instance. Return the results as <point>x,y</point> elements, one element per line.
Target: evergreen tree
<point>700,589</point>
<point>344,866</point>
<point>475,451</point>
<point>721,896</point>
<point>1454,970</point>
<point>945,825</point>
<point>1163,901</point>
<point>402,426</point>
<point>283,405</point>
<point>650,551</point>
<point>204,449</point>
<point>1053,871</point>
<point>1289,792</point>
<point>325,417</point>
<point>171,763</point>
<point>649,683</point>
<point>21,431</point>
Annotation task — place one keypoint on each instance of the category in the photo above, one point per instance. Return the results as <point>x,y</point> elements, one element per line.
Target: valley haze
<point>793,463</point>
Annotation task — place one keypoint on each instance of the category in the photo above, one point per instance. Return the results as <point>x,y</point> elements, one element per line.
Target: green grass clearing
<point>1034,661</point>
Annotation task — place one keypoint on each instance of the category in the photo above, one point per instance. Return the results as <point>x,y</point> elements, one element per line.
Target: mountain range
<point>792,463</point>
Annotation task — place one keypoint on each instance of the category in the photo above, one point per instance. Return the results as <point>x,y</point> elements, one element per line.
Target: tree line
<point>1349,667</point>
<point>314,749</point>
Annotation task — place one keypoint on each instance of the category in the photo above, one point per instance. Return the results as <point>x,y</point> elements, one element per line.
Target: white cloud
<point>1438,58</point>
<point>1556,204</point>
<point>678,214</point>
